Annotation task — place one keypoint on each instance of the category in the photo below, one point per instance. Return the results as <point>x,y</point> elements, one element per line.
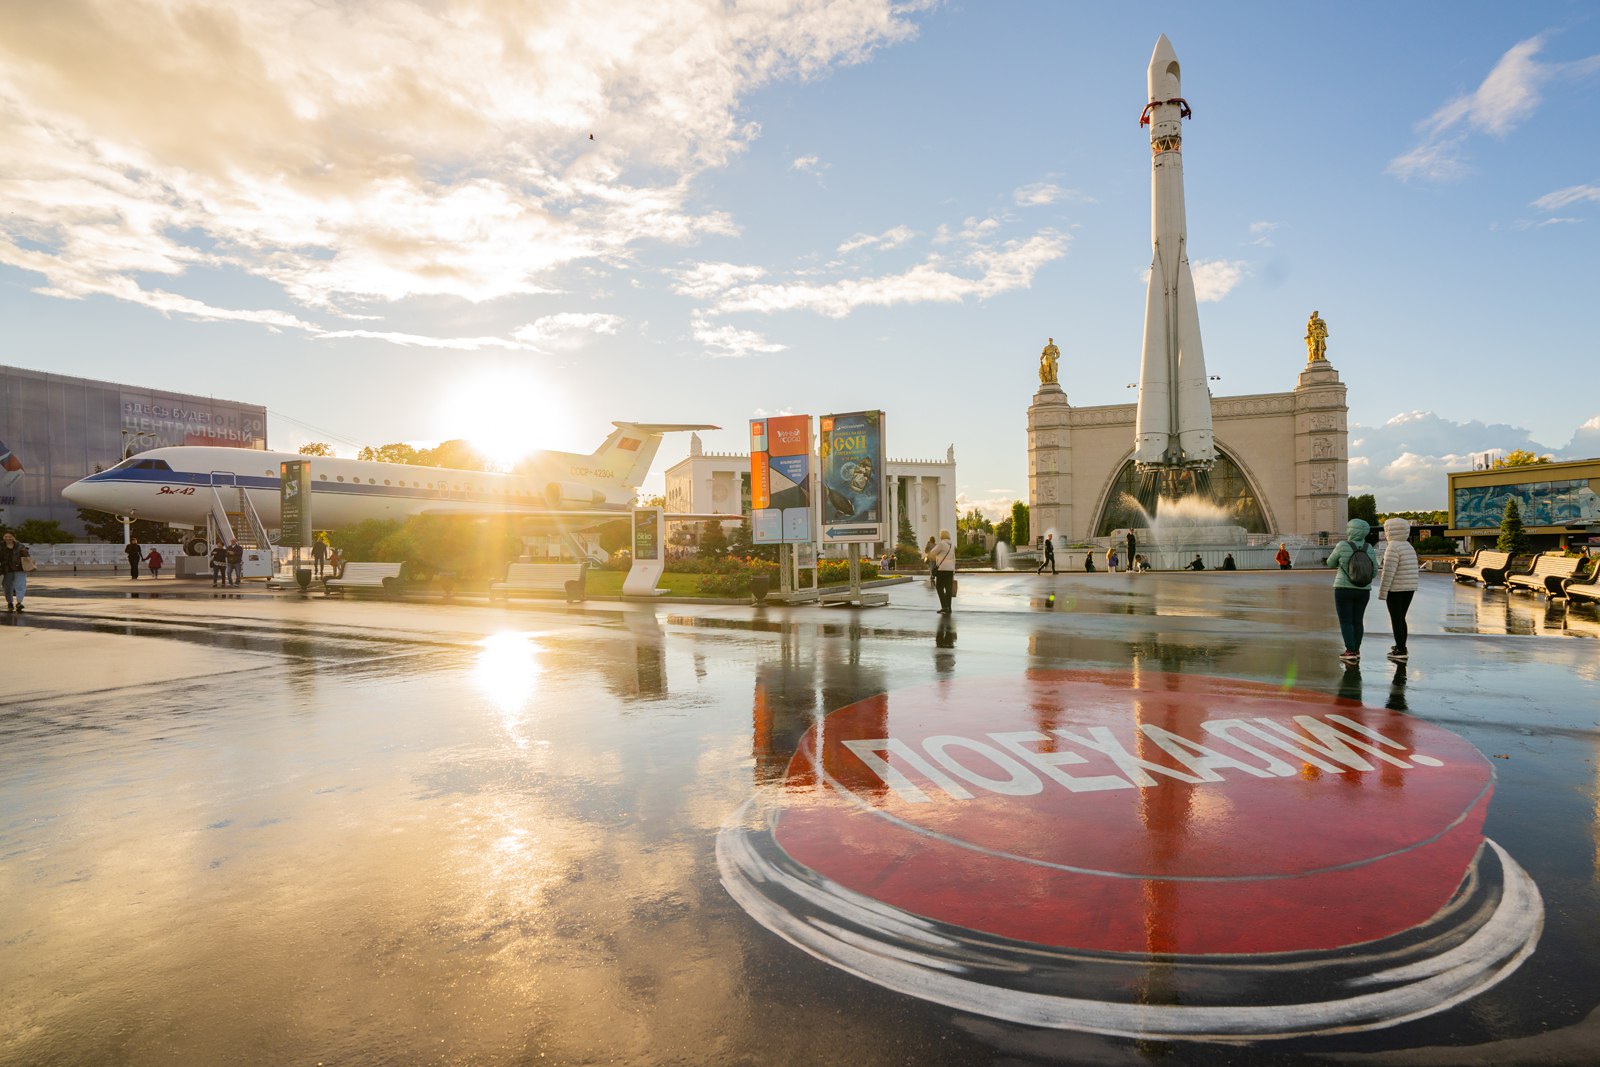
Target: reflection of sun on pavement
<point>507,673</point>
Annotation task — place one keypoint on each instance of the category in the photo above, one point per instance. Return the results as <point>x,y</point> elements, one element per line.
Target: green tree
<point>713,540</point>
<point>1512,537</point>
<point>1520,457</point>
<point>398,452</point>
<point>1019,523</point>
<point>316,448</point>
<point>1002,532</point>
<point>1365,507</point>
<point>41,532</point>
<point>457,455</point>
<point>359,542</point>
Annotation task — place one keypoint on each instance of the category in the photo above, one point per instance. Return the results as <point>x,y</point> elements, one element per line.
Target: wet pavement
<point>1091,819</point>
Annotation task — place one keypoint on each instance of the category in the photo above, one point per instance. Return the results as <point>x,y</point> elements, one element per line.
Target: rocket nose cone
<point>1163,65</point>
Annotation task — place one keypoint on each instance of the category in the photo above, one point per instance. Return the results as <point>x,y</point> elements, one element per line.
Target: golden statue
<point>1049,359</point>
<point>1316,339</point>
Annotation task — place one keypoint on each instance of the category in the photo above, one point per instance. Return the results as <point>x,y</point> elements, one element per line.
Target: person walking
<point>235,562</point>
<point>13,570</point>
<point>219,564</point>
<point>154,562</point>
<point>942,558</point>
<point>1399,582</point>
<point>1132,555</point>
<point>1282,558</point>
<point>319,555</point>
<point>1049,555</point>
<point>1352,585</point>
<point>134,554</point>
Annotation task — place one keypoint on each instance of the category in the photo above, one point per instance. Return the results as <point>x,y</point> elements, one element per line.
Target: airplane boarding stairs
<point>233,517</point>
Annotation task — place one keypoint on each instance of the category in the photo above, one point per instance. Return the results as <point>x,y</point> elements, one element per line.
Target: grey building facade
<point>55,429</point>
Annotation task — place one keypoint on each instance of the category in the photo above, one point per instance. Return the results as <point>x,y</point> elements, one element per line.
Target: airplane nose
<point>80,493</point>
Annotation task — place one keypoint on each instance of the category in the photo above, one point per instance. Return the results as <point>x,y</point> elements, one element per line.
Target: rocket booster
<point>1174,414</point>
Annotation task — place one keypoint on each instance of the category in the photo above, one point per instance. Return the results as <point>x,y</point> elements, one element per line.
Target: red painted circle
<point>1148,812</point>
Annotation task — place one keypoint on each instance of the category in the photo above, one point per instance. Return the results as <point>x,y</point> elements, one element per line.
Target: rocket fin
<point>1192,389</point>
<point>1153,425</point>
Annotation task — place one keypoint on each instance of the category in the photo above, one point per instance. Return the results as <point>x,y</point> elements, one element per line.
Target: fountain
<point>1186,525</point>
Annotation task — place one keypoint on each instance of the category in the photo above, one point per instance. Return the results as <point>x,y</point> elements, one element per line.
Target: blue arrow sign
<point>852,531</point>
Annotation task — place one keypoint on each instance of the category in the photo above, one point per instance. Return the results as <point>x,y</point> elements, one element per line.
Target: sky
<point>516,220</point>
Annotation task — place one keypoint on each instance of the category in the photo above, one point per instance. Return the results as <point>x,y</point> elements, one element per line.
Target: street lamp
<point>132,439</point>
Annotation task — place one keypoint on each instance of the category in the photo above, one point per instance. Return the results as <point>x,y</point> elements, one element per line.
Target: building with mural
<point>55,429</point>
<point>1559,503</point>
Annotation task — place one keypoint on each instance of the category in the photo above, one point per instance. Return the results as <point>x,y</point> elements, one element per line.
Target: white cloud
<point>724,341</point>
<point>376,150</point>
<point>1573,194</point>
<point>1261,233</point>
<point>413,340</point>
<point>567,329</point>
<point>808,165</point>
<point>1508,96</point>
<point>1216,278</point>
<point>708,279</point>
<point>992,271</point>
<point>893,238</point>
<point>1404,461</point>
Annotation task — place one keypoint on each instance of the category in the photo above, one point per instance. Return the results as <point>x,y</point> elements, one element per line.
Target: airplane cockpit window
<point>159,465</point>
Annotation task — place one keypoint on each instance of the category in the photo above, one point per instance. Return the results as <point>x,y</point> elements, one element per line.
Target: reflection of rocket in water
<point>1174,413</point>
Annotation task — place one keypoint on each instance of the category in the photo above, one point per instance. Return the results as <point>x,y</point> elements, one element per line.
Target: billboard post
<point>852,498</point>
<point>649,561</point>
<point>294,510</point>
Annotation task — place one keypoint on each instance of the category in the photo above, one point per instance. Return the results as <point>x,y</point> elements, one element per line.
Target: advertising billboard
<point>647,533</point>
<point>851,448</point>
<point>294,527</point>
<point>780,480</point>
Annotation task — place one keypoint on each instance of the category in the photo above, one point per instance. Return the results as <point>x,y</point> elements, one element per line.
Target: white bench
<point>564,578</point>
<point>384,577</point>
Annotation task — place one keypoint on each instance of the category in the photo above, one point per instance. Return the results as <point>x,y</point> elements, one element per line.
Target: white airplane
<point>183,485</point>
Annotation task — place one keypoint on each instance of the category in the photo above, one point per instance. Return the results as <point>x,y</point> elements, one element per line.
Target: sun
<point>505,415</point>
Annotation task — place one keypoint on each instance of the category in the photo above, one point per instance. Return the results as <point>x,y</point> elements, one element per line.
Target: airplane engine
<point>569,495</point>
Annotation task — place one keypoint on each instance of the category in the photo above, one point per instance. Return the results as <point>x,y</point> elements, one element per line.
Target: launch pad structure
<point>1274,465</point>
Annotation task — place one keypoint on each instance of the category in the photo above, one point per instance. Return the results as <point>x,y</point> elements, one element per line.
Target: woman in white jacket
<point>1399,581</point>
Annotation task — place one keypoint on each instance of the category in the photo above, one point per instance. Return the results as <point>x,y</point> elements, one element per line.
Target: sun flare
<point>505,415</point>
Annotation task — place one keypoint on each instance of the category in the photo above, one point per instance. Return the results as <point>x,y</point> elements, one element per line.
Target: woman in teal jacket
<point>1350,599</point>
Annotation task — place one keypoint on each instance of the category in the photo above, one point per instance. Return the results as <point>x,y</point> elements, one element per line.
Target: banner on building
<point>851,448</point>
<point>780,480</point>
<point>294,501</point>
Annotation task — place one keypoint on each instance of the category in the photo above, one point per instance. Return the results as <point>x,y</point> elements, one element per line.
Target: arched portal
<point>1231,490</point>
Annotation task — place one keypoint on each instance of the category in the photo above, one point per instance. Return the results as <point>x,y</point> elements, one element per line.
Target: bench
<point>1550,569</point>
<point>564,578</point>
<point>1583,588</point>
<point>1487,566</point>
<point>384,577</point>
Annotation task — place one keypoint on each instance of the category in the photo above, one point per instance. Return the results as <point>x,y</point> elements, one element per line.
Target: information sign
<point>852,460</point>
<point>294,503</point>
<point>780,480</point>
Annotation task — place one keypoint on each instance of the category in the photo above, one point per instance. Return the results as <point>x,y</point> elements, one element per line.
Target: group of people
<point>1359,568</point>
<point>1136,561</point>
<point>227,564</point>
<point>137,555</point>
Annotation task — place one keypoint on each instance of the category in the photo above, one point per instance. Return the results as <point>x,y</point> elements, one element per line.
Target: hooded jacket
<point>1399,562</point>
<point>1355,534</point>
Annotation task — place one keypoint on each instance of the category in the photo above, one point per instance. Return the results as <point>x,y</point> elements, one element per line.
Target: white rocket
<point>1174,417</point>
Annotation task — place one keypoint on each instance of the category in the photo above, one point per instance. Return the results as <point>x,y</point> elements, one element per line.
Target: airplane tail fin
<point>631,449</point>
